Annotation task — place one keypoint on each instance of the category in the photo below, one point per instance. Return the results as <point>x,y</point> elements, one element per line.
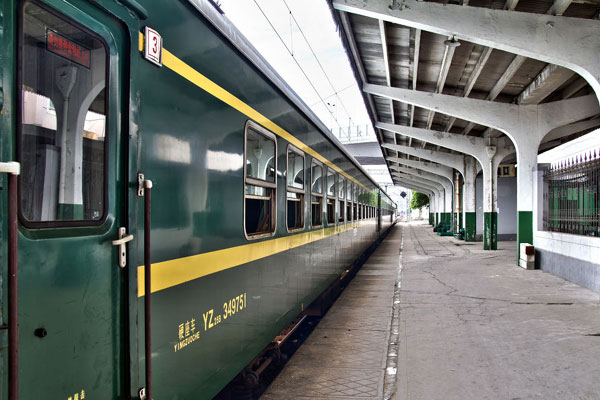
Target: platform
<point>431,317</point>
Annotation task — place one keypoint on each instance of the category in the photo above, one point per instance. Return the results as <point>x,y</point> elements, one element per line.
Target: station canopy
<point>384,52</point>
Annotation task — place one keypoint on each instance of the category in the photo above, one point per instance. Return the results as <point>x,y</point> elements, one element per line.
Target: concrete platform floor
<point>459,322</point>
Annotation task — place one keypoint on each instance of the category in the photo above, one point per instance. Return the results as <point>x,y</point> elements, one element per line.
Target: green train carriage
<point>255,209</point>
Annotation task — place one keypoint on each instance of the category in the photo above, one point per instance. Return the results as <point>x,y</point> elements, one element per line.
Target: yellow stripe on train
<point>171,273</point>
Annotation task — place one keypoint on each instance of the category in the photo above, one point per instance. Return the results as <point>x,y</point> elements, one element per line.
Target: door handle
<point>121,241</point>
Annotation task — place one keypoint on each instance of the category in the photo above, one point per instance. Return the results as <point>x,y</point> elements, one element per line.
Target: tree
<point>418,200</point>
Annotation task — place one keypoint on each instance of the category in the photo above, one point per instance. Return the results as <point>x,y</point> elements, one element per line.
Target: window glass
<point>330,183</point>
<point>295,211</point>
<point>330,211</point>
<point>260,156</point>
<point>349,191</point>
<point>260,187</point>
<point>317,211</point>
<point>342,187</point>
<point>63,124</point>
<point>295,173</point>
<point>259,210</point>
<point>295,192</point>
<point>349,210</point>
<point>317,177</point>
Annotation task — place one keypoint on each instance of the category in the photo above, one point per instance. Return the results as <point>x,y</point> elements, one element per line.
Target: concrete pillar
<point>446,207</point>
<point>470,215</point>
<point>477,147</point>
<point>490,201</point>
<point>457,202</point>
<point>525,125</point>
<point>446,173</point>
<point>412,177</point>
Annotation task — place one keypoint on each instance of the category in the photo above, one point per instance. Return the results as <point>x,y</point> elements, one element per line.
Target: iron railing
<point>572,197</point>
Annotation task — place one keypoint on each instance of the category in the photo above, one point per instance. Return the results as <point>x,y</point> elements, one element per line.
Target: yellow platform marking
<point>171,273</point>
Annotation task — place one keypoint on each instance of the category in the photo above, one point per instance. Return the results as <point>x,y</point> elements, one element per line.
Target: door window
<point>62,135</point>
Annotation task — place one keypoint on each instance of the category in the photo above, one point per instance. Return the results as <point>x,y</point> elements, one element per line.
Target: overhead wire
<point>316,58</point>
<point>322,101</point>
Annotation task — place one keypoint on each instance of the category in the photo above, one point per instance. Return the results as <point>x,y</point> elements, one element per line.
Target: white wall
<point>507,205</point>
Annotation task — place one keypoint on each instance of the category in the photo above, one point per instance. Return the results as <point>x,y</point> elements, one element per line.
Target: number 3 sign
<point>153,46</point>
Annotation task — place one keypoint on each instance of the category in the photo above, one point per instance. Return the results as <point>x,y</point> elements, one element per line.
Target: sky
<point>299,38</point>
<point>286,33</point>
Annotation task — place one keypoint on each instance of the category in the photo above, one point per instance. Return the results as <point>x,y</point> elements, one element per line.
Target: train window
<point>295,189</point>
<point>361,210</point>
<point>260,186</point>
<point>341,195</point>
<point>316,193</point>
<point>62,129</point>
<point>354,198</point>
<point>331,201</point>
<point>349,201</point>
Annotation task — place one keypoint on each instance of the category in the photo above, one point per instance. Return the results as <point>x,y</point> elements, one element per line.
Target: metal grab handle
<point>123,240</point>
<point>147,289</point>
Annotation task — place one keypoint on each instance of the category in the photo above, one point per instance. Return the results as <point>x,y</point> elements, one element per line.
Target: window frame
<point>260,182</point>
<point>341,196</point>
<point>330,197</point>
<point>349,200</point>
<point>317,163</point>
<point>294,149</point>
<point>84,223</point>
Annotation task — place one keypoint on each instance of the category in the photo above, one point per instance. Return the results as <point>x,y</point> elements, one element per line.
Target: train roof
<point>216,17</point>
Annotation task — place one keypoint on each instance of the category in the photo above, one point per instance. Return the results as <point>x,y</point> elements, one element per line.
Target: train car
<point>152,141</point>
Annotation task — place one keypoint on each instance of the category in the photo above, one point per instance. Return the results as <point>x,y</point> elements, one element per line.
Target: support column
<point>431,208</point>
<point>469,199</point>
<point>525,125</point>
<point>432,171</point>
<point>457,203</point>
<point>490,200</point>
<point>526,179</point>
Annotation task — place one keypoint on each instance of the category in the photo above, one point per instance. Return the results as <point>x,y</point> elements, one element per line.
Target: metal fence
<point>572,197</point>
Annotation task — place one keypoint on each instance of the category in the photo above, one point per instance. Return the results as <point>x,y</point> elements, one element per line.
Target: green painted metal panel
<point>524,229</point>
<point>70,284</point>
<point>490,230</point>
<point>191,146</point>
<point>470,226</point>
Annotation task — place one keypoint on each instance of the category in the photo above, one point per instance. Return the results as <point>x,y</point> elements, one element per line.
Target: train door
<point>72,284</point>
